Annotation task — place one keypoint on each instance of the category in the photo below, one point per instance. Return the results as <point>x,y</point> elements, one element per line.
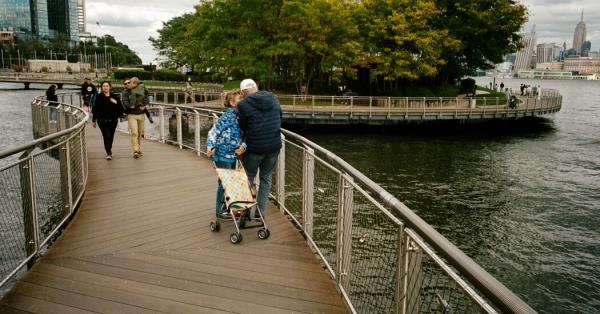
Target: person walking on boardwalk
<point>52,99</point>
<point>87,91</point>
<point>224,138</point>
<point>135,100</point>
<point>106,112</point>
<point>189,90</point>
<point>260,122</point>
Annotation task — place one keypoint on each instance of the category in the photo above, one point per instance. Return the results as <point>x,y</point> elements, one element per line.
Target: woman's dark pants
<point>108,128</point>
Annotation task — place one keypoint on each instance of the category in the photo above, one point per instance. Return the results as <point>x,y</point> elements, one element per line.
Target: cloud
<point>134,22</point>
<point>555,20</point>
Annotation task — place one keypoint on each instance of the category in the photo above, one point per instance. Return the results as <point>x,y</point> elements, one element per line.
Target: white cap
<point>247,84</point>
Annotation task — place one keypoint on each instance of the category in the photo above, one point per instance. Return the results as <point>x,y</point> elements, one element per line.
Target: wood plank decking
<point>140,243</point>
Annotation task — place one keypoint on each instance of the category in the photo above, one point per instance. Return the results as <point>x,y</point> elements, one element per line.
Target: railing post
<point>332,103</point>
<point>281,175</point>
<point>351,104</point>
<point>179,129</point>
<point>389,101</point>
<point>29,210</point>
<point>197,141</point>
<point>175,97</point>
<point>313,105</point>
<point>409,274</point>
<point>65,177</point>
<point>161,123</point>
<point>166,97</point>
<point>370,106</point>
<point>344,232</point>
<point>308,185</point>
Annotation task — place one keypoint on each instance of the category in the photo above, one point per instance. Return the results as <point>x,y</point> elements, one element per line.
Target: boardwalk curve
<point>140,243</point>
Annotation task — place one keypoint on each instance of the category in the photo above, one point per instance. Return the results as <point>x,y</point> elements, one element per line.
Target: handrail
<point>42,188</point>
<point>491,287</point>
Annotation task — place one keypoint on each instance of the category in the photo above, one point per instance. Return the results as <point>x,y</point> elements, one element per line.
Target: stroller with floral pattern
<point>238,201</point>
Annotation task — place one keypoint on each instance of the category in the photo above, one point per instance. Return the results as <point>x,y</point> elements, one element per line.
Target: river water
<point>523,200</point>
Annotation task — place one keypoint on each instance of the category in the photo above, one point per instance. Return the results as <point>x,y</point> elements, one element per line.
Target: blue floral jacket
<point>225,136</point>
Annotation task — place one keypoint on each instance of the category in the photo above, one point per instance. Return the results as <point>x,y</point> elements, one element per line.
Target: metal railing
<point>383,257</point>
<point>365,108</point>
<point>41,183</point>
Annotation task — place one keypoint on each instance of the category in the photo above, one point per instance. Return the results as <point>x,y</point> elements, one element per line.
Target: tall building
<point>63,18</point>
<point>41,19</point>
<point>81,20</point>
<point>28,18</point>
<point>579,36</point>
<point>524,56</point>
<point>585,48</point>
<point>546,53</point>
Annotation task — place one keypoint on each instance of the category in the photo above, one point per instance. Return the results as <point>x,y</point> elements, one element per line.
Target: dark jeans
<point>220,191</point>
<point>108,128</point>
<point>263,164</point>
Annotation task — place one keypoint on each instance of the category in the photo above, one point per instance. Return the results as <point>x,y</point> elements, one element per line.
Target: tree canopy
<point>326,42</point>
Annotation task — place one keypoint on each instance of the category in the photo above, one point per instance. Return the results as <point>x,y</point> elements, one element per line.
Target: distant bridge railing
<point>383,257</point>
<point>41,183</point>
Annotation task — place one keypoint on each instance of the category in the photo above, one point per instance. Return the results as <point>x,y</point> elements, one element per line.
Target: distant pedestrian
<point>107,111</point>
<point>189,89</point>
<point>260,122</point>
<point>522,87</point>
<point>135,100</point>
<point>501,86</point>
<point>88,90</point>
<point>52,99</point>
<point>224,141</point>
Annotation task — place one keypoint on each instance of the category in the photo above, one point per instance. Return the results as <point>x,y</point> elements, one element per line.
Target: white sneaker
<point>108,157</point>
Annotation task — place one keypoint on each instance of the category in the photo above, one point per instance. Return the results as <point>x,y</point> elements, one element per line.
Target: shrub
<point>16,67</point>
<point>168,75</point>
<point>69,69</point>
<point>467,86</point>
<point>44,69</point>
<point>141,74</point>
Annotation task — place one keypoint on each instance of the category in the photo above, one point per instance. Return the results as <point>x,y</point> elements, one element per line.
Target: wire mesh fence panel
<point>48,194</point>
<point>293,180</point>
<point>188,129</point>
<point>326,186</point>
<point>77,184</point>
<point>12,229</point>
<point>374,260</point>
<point>170,126</point>
<point>431,289</point>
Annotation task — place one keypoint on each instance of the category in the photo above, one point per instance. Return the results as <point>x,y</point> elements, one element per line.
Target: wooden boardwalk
<point>140,243</point>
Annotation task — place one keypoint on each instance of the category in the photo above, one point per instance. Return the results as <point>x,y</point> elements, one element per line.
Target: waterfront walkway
<point>140,243</point>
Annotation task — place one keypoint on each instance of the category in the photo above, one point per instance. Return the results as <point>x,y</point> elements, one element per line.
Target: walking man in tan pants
<point>135,99</point>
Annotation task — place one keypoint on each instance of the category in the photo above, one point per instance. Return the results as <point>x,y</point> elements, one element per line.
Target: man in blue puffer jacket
<point>260,122</point>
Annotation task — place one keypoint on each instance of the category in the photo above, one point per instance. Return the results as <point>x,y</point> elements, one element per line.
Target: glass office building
<point>63,18</point>
<point>40,18</point>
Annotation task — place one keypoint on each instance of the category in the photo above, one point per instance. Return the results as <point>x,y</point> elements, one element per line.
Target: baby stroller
<point>238,201</point>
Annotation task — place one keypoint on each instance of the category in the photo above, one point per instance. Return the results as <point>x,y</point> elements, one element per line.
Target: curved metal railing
<point>41,183</point>
<point>366,109</point>
<point>383,257</point>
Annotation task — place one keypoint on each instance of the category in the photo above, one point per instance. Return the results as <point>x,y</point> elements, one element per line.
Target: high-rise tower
<point>524,56</point>
<point>579,36</point>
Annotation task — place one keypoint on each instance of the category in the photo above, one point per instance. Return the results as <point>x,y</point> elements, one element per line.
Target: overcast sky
<point>132,22</point>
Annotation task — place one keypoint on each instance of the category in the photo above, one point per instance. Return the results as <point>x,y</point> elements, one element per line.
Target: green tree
<point>487,30</point>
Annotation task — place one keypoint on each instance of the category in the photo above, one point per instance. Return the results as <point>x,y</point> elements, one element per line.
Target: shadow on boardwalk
<point>140,242</point>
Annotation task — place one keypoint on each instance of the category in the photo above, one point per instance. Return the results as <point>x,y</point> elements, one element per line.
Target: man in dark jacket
<point>260,122</point>
<point>87,91</point>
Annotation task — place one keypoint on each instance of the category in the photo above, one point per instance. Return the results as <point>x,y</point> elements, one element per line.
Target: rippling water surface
<point>522,200</point>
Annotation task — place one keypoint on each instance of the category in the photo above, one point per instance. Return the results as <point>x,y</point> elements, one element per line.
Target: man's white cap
<point>247,84</point>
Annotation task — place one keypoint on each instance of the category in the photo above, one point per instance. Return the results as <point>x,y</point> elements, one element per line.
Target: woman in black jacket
<point>107,110</point>
<point>52,99</point>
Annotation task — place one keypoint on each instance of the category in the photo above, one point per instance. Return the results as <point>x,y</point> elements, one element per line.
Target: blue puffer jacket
<point>260,121</point>
<point>225,136</point>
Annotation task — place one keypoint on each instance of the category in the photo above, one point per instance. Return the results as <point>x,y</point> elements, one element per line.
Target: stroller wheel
<point>215,226</point>
<point>235,238</point>
<point>263,233</point>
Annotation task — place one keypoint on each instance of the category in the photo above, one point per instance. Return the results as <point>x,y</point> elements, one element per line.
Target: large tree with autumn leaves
<point>321,42</point>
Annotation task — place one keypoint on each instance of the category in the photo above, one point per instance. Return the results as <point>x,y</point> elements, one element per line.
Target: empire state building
<point>579,36</point>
